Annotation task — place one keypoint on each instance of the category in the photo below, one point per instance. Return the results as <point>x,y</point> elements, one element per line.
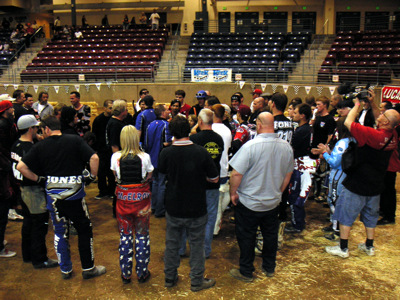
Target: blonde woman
<point>133,169</point>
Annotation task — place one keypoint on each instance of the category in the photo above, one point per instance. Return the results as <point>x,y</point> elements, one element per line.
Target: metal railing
<point>315,47</point>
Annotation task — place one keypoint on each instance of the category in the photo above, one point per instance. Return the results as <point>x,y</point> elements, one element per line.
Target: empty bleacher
<point>363,57</point>
<point>257,56</point>
<point>102,54</point>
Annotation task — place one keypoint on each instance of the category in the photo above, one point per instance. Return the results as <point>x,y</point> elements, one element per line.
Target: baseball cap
<point>27,121</point>
<point>201,94</point>
<point>4,105</point>
<point>235,97</point>
<point>244,111</point>
<point>227,108</point>
<point>6,97</point>
<point>257,91</point>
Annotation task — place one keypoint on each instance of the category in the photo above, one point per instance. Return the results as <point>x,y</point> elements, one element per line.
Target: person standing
<point>201,98</point>
<point>185,203</point>
<point>158,137</point>
<point>19,97</point>
<point>62,172</point>
<point>105,178</point>
<point>145,117</point>
<point>42,106</point>
<point>185,108</point>
<point>133,169</point>
<point>125,23</point>
<point>261,171</point>
<point>155,19</point>
<point>36,216</point>
<point>83,112</point>
<point>27,105</point>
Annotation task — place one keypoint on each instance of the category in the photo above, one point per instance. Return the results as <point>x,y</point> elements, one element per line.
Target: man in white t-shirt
<point>155,19</point>
<point>43,108</point>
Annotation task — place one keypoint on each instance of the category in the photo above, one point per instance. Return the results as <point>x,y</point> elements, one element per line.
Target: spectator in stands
<point>5,24</point>
<point>145,117</point>
<point>42,106</point>
<point>27,105</point>
<point>57,25</point>
<point>125,23</point>
<point>155,19</point>
<point>104,21</point>
<point>364,184</point>
<point>201,97</point>
<point>19,26</point>
<point>68,120</point>
<point>143,18</point>
<point>185,108</point>
<point>106,180</point>
<point>132,25</point>
<point>84,22</point>
<point>78,34</point>
<point>384,106</point>
<point>158,137</point>
<point>142,94</point>
<point>19,97</point>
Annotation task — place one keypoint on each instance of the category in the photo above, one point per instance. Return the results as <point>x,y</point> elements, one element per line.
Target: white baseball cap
<point>6,97</point>
<point>27,121</point>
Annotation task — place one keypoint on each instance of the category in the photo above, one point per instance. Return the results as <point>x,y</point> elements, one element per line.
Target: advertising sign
<point>391,93</point>
<point>211,75</point>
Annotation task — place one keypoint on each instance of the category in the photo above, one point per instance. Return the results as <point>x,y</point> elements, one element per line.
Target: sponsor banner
<point>391,93</point>
<point>211,75</point>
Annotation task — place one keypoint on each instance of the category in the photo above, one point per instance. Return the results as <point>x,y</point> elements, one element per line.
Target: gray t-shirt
<point>264,163</point>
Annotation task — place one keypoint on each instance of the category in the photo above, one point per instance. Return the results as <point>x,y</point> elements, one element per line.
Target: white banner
<point>241,84</point>
<point>56,88</point>
<point>16,86</point>
<point>263,86</point>
<point>5,86</point>
<point>77,86</point>
<point>285,88</point>
<point>211,75</point>
<point>98,86</point>
<point>308,89</point>
<point>36,88</point>
<point>332,89</point>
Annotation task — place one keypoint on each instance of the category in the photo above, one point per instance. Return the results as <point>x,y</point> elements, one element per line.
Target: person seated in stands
<point>78,34</point>
<point>5,24</point>
<point>15,36</point>
<point>19,26</point>
<point>143,18</point>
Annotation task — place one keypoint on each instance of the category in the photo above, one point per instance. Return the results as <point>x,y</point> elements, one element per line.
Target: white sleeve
<point>115,161</point>
<point>147,166</point>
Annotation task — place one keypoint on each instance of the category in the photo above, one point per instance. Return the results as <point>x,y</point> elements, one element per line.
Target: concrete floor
<point>304,270</point>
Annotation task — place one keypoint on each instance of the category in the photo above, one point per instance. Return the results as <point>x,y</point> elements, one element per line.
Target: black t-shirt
<point>99,129</point>
<point>30,111</point>
<point>283,127</point>
<point>301,141</point>
<point>323,126</point>
<point>187,168</point>
<point>61,155</point>
<point>18,111</point>
<point>19,150</point>
<point>214,144</point>
<point>113,132</point>
<point>195,110</point>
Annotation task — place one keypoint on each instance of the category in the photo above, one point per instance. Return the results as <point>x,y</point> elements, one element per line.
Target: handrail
<point>175,46</point>
<point>321,32</point>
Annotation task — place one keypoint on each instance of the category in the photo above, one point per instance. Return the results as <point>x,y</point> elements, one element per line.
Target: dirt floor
<point>304,270</point>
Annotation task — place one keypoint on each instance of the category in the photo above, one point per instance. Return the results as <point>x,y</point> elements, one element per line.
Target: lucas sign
<point>211,75</point>
<point>391,93</point>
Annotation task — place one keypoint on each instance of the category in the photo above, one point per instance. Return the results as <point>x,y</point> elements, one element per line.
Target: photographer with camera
<point>83,112</point>
<point>365,182</point>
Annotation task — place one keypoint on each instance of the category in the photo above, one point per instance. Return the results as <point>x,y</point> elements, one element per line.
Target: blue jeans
<point>158,193</point>
<point>195,228</point>
<point>212,197</point>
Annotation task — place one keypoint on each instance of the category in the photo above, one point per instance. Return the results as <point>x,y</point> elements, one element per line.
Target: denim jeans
<point>158,193</point>
<point>195,228</point>
<point>212,197</point>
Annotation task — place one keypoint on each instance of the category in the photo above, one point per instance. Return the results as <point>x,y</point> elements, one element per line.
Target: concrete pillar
<point>330,15</point>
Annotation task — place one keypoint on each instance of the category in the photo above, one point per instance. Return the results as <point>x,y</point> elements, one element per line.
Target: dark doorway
<point>346,21</point>
<point>246,22</point>
<point>275,22</point>
<point>376,20</point>
<point>224,22</point>
<point>304,21</point>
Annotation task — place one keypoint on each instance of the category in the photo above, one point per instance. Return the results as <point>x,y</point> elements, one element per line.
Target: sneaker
<point>171,282</point>
<point>334,236</point>
<point>66,276</point>
<point>13,216</point>
<point>145,278</point>
<point>292,229</point>
<point>369,250</point>
<point>206,284</point>
<point>49,263</point>
<point>328,229</point>
<point>94,272</point>
<point>235,273</point>
<point>384,221</point>
<point>7,253</point>
<point>336,250</point>
<point>100,196</point>
<point>268,274</point>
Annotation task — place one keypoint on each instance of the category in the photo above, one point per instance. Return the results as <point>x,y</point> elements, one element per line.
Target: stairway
<point>12,73</point>
<point>306,71</point>
<point>173,59</point>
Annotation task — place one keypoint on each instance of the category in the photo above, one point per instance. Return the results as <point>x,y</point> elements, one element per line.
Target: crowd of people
<point>189,164</point>
<point>19,34</point>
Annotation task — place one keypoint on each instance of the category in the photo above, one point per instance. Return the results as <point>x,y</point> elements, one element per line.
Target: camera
<point>351,91</point>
